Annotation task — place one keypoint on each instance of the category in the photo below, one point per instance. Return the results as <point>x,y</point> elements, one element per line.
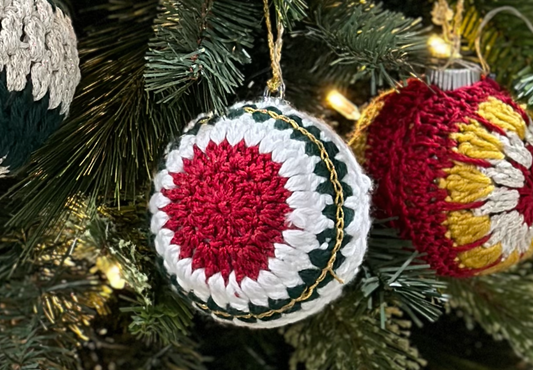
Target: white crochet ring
<point>260,216</point>
<point>38,41</point>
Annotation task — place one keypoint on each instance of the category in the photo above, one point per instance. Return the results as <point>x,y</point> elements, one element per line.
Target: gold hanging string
<point>275,85</point>
<point>486,20</point>
<point>457,22</point>
<point>450,21</point>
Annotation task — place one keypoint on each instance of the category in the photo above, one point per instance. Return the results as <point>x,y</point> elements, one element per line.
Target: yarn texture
<point>454,167</point>
<point>39,68</point>
<point>260,216</point>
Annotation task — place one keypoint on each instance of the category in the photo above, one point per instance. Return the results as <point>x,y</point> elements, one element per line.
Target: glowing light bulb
<point>112,272</point>
<point>438,47</point>
<point>115,277</point>
<point>343,105</point>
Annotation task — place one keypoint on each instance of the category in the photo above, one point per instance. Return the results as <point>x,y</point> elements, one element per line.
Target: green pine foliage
<point>157,314</point>
<point>394,274</point>
<point>27,339</point>
<point>346,336</point>
<point>148,67</point>
<point>46,304</point>
<point>366,329</point>
<point>114,134</point>
<point>49,302</point>
<point>198,48</point>
<point>366,41</point>
<point>500,303</point>
<point>291,11</point>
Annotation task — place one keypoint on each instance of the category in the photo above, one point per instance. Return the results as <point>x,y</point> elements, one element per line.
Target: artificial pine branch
<point>501,304</point>
<point>394,274</point>
<point>23,347</point>
<point>291,11</point>
<point>523,85</point>
<point>157,314</point>
<point>47,304</point>
<point>156,317</point>
<point>366,41</point>
<point>198,48</point>
<point>346,336</point>
<point>364,329</point>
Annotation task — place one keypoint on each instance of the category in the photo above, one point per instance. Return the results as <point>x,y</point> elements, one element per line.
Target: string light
<point>342,105</point>
<point>438,47</point>
<point>112,271</point>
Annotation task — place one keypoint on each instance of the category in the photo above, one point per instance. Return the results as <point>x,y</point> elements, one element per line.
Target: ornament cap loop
<point>454,78</point>
<point>279,92</point>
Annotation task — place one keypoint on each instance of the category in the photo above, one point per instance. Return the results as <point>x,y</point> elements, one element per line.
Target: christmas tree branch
<point>364,329</point>
<point>49,304</point>
<point>346,336</point>
<point>394,274</point>
<point>23,346</point>
<point>197,49</point>
<point>157,314</point>
<point>158,318</point>
<point>500,303</point>
<point>46,305</point>
<point>291,11</point>
<point>366,41</point>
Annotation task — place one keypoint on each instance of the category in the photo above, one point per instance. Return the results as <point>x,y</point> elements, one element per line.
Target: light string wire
<point>275,85</point>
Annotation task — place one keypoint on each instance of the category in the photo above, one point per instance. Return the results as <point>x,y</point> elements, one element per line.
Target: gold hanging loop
<point>275,85</point>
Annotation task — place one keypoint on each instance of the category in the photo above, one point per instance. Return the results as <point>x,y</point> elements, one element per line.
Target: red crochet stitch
<point>525,204</point>
<point>228,209</point>
<point>408,148</point>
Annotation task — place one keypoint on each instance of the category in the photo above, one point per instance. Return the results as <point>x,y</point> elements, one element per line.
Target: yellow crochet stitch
<point>468,184</point>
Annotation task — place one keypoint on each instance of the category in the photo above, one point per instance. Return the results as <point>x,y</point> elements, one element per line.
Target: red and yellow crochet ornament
<point>454,167</point>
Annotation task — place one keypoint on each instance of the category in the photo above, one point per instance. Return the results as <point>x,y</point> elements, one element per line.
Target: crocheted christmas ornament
<point>39,73</point>
<point>261,215</point>
<point>455,168</point>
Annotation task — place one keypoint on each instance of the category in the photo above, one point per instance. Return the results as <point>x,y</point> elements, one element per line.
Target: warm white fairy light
<point>342,105</point>
<point>112,271</point>
<point>438,47</point>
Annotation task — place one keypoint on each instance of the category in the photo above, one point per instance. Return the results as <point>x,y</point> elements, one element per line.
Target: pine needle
<point>197,49</point>
<point>366,41</point>
<point>501,304</point>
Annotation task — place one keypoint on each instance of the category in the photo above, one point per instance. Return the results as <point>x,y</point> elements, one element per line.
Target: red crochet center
<point>408,148</point>
<point>228,209</point>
